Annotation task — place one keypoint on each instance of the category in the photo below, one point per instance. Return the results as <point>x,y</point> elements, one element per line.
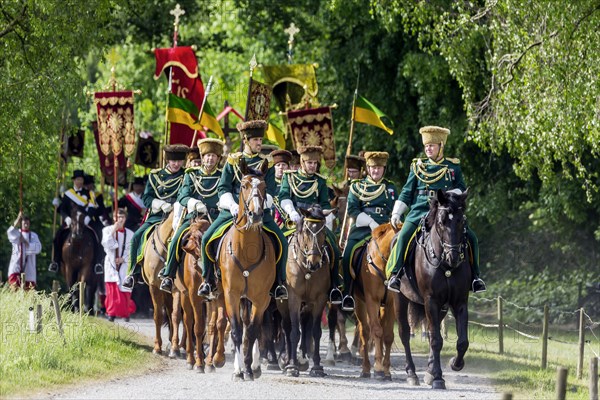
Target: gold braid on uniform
<point>167,185</point>
<point>204,192</point>
<point>302,194</point>
<point>363,194</point>
<point>420,171</point>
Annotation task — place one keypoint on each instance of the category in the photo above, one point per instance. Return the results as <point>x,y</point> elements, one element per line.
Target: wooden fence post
<point>500,327</point>
<point>38,317</point>
<point>545,338</point>
<point>594,378</point>
<point>54,297</point>
<point>506,396</point>
<point>561,383</point>
<point>581,344</point>
<point>55,286</point>
<point>81,297</point>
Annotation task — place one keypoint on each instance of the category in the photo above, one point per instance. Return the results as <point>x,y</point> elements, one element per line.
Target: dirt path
<point>173,381</point>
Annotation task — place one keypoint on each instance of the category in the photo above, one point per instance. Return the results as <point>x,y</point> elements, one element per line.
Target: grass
<point>518,370</point>
<point>91,349</point>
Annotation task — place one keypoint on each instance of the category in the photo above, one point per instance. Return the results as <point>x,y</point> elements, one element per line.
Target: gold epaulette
<point>190,169</point>
<point>288,171</point>
<point>267,157</point>
<point>453,160</point>
<point>416,160</point>
<point>155,170</point>
<point>234,158</point>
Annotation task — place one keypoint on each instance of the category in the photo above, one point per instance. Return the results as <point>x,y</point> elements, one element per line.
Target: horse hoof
<point>428,379</point>
<point>211,369</point>
<point>219,364</point>
<point>379,375</point>
<point>189,366</point>
<point>387,378</point>
<point>456,367</point>
<point>438,384</point>
<point>237,377</point>
<point>248,376</point>
<point>273,366</point>
<point>257,372</point>
<point>174,354</point>
<point>365,374</point>
<point>282,362</point>
<point>317,372</point>
<point>199,369</point>
<point>413,381</point>
<point>157,352</point>
<point>292,371</point>
<point>347,356</point>
<point>303,366</point>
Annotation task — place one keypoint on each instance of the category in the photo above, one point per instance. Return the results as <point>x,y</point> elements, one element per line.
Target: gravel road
<point>171,380</point>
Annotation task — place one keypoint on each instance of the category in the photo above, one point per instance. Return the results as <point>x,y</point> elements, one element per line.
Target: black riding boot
<point>394,281</point>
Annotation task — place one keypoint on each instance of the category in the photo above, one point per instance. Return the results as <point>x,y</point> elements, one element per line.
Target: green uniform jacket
<point>425,177</point>
<point>163,185</point>
<point>375,199</point>
<point>231,175</point>
<point>303,190</point>
<point>202,186</point>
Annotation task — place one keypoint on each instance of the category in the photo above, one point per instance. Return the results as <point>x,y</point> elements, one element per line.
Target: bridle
<point>429,249</point>
<point>255,195</point>
<point>301,257</point>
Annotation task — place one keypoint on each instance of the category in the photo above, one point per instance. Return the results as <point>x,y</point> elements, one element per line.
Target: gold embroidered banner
<point>115,122</point>
<point>258,105</point>
<point>313,127</point>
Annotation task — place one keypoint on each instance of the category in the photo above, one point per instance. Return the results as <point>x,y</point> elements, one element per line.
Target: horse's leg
<point>219,357</point>
<point>90,292</point>
<point>292,367</point>
<point>157,301</point>
<point>252,355</point>
<point>317,369</point>
<point>388,338</point>
<point>331,323</point>
<point>345,352</point>
<point>188,325</point>
<point>174,313</point>
<point>404,333</point>
<point>376,333</point>
<point>432,309</point>
<point>211,334</point>
<point>364,335</point>
<point>199,329</point>
<point>233,309</point>
<point>461,314</point>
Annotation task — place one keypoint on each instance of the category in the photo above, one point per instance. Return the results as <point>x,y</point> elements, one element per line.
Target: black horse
<point>439,279</point>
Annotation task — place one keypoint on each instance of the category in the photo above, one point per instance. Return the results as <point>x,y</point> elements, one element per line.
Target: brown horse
<point>441,273</point>
<point>247,262</point>
<point>375,306</point>
<point>78,260</point>
<point>308,282</point>
<point>155,253</point>
<point>195,310</point>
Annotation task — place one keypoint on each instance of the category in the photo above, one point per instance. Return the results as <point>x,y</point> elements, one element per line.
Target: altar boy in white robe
<point>25,246</point>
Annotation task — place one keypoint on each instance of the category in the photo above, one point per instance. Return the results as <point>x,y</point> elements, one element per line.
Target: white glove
<point>294,216</point>
<point>68,221</point>
<point>363,220</point>
<point>166,207</point>
<point>373,224</point>
<point>227,202</point>
<point>87,220</point>
<point>269,201</point>
<point>56,202</point>
<point>157,205</point>
<point>196,205</point>
<point>399,208</point>
<point>329,221</point>
<point>395,220</point>
<point>234,209</point>
<point>288,207</point>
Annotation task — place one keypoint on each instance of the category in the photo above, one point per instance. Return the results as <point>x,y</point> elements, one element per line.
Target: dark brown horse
<point>195,311</point>
<point>442,276</point>
<point>78,260</point>
<point>247,262</point>
<point>308,282</point>
<point>375,305</point>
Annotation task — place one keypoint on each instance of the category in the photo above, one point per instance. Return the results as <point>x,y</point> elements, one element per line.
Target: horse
<point>440,278</point>
<point>78,260</point>
<point>375,305</point>
<point>247,260</point>
<point>155,253</point>
<point>195,310</point>
<point>308,282</point>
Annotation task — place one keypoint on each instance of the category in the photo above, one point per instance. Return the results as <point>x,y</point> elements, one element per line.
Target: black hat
<point>138,180</point>
<point>194,154</point>
<point>252,129</point>
<point>78,173</point>
<point>176,152</point>
<point>88,179</point>
<point>355,162</point>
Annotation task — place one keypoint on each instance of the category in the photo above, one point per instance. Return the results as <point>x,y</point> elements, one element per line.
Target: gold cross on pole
<point>292,30</point>
<point>176,12</point>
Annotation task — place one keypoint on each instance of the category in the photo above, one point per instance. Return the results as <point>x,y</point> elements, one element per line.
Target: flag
<point>147,152</point>
<point>209,120</point>
<point>275,135</point>
<point>187,92</point>
<point>258,105</point>
<point>107,159</point>
<point>115,122</point>
<point>367,113</point>
<point>313,127</point>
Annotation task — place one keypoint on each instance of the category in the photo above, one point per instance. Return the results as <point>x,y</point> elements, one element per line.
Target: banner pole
<point>206,93</point>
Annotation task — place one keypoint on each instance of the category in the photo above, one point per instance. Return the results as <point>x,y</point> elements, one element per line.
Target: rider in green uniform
<point>370,201</point>
<point>228,190</point>
<point>302,189</point>
<point>426,176</point>
<point>160,194</point>
<point>281,163</point>
<point>199,196</point>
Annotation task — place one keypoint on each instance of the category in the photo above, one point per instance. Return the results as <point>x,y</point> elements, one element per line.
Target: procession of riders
<point>204,182</point>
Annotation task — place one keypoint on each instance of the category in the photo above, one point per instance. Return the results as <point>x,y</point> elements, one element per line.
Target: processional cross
<point>292,30</point>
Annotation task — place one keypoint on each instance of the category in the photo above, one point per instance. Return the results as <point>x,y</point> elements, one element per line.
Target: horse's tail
<point>416,314</point>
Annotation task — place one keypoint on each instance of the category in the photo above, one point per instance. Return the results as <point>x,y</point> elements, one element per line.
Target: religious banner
<point>292,84</point>
<point>116,132</point>
<point>313,127</point>
<point>258,105</point>
<point>106,161</point>
<point>147,153</point>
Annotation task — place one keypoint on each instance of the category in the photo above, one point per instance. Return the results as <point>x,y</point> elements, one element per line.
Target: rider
<point>426,176</point>
<point>229,188</point>
<point>78,195</point>
<point>132,201</point>
<point>99,219</point>
<point>281,163</point>
<point>160,194</point>
<point>199,195</point>
<point>302,189</point>
<point>370,201</point>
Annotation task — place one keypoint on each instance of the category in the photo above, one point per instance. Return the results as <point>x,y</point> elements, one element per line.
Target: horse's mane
<point>316,212</point>
<point>443,198</point>
<point>253,172</point>
<point>380,231</point>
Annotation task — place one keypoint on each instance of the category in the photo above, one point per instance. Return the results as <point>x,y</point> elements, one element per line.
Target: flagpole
<point>252,65</point>
<point>206,93</point>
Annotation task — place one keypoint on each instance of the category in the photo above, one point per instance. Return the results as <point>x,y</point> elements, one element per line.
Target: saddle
<point>356,260</point>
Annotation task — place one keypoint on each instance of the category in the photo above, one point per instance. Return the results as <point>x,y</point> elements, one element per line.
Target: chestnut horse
<point>375,305</point>
<point>155,253</point>
<point>308,282</point>
<point>441,273</point>
<point>247,262</point>
<point>78,260</point>
<point>195,310</point>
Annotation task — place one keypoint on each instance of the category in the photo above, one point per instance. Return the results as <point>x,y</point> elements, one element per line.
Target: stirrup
<point>394,284</point>
<point>166,285</point>
<point>129,282</point>
<point>335,296</point>
<point>478,285</point>
<point>281,293</point>
<point>206,290</point>
<point>162,274</point>
<point>348,303</point>
<point>53,267</point>
<point>98,269</point>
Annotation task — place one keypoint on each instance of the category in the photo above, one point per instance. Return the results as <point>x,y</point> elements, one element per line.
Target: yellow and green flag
<point>367,113</point>
<point>209,120</point>
<point>275,135</point>
<point>182,111</point>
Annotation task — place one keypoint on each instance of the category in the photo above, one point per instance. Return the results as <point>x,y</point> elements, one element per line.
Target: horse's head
<point>253,194</point>
<point>447,219</point>
<point>311,236</point>
<point>194,243</point>
<point>77,222</point>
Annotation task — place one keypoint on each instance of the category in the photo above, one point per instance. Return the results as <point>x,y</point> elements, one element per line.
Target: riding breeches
<point>136,241</point>
<point>175,252</point>
<point>356,238</point>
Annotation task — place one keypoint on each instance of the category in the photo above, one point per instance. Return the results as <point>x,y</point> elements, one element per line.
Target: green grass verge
<point>91,349</point>
<point>518,370</point>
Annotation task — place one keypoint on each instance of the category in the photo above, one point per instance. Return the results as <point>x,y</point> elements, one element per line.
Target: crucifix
<point>292,30</point>
<point>176,12</point>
